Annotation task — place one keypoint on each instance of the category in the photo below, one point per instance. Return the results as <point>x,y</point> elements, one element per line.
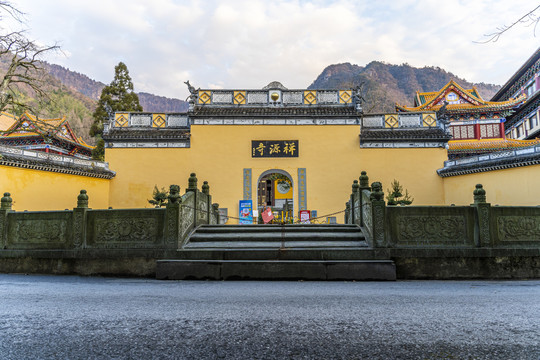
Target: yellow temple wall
<point>37,190</point>
<point>515,186</point>
<point>331,156</point>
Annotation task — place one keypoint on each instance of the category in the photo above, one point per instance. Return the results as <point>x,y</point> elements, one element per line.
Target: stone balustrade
<point>479,225</point>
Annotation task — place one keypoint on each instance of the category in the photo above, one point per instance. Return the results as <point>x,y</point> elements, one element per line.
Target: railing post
<point>378,208</point>
<point>206,190</point>
<point>482,234</point>
<point>192,187</point>
<point>173,217</point>
<point>347,212</point>
<point>215,213</point>
<point>79,220</point>
<point>354,202</point>
<point>364,185</point>
<point>5,209</point>
<point>192,182</point>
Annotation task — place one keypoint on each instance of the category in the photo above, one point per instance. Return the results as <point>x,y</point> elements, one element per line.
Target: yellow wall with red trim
<point>36,190</point>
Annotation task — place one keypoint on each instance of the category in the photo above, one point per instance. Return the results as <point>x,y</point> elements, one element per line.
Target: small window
<point>530,90</point>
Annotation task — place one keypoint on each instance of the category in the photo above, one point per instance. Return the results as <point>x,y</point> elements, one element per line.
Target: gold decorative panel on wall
<point>345,96</point>
<point>205,97</point>
<point>429,120</point>
<point>121,120</point>
<point>239,98</point>
<point>159,120</point>
<point>310,97</point>
<point>391,121</point>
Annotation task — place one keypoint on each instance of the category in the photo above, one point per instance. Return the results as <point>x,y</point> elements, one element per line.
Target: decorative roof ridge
<point>284,90</point>
<point>497,143</point>
<point>468,106</point>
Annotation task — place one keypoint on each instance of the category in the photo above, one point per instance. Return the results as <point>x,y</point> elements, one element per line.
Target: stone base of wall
<point>460,268</point>
<point>131,263</point>
<point>427,264</point>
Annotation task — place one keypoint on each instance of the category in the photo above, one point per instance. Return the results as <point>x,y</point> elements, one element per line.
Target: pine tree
<point>396,197</point>
<point>159,197</point>
<point>118,96</point>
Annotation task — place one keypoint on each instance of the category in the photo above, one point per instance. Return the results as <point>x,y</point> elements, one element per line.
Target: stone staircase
<point>275,252</point>
<point>275,237</point>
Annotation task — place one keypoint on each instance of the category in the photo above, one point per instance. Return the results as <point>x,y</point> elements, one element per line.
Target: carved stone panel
<point>518,228</point>
<point>188,214</point>
<point>431,230</point>
<point>367,214</point>
<point>202,210</point>
<point>39,230</point>
<point>125,229</point>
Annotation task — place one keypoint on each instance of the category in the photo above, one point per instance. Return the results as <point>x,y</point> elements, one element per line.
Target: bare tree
<point>24,69</point>
<point>532,18</point>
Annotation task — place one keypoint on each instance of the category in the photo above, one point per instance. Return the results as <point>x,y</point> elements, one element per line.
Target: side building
<point>48,135</point>
<point>476,126</point>
<point>524,123</point>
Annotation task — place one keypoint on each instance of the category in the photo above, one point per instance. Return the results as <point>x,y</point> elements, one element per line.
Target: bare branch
<point>528,19</point>
<point>7,8</point>
<point>24,72</point>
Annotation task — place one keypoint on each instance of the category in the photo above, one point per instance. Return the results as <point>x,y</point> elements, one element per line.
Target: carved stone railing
<point>430,226</point>
<point>367,216</point>
<point>84,228</point>
<point>476,226</point>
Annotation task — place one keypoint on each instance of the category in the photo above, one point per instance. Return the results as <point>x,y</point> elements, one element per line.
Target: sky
<point>247,44</point>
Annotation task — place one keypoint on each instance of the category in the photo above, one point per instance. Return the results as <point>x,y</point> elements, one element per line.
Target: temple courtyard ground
<point>71,317</point>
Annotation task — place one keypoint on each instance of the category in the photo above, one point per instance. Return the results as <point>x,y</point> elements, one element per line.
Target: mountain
<point>386,84</point>
<point>155,103</point>
<point>92,88</point>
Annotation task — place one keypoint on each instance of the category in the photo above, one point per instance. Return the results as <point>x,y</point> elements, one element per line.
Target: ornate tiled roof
<point>146,134</point>
<point>492,161</point>
<point>6,121</point>
<point>29,125</point>
<point>38,160</point>
<point>206,111</point>
<point>414,134</point>
<point>487,145</point>
<point>469,101</point>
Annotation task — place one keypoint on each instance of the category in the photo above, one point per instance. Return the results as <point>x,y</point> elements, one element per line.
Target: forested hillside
<point>386,84</point>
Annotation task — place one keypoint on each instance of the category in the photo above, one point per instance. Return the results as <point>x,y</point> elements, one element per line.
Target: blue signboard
<point>246,212</point>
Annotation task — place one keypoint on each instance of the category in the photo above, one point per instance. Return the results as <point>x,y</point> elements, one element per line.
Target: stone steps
<point>275,236</point>
<point>274,252</point>
<point>377,270</point>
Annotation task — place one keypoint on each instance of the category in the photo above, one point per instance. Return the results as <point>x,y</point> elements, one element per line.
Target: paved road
<point>69,317</point>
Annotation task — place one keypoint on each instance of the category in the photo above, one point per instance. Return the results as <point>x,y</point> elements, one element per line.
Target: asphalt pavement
<point>71,317</point>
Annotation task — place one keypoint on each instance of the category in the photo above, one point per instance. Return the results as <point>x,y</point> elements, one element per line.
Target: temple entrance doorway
<point>275,190</point>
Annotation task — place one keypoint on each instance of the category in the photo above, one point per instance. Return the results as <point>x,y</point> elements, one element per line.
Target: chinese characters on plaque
<point>274,148</point>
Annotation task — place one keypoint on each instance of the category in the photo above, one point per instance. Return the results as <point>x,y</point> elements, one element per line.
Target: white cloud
<point>247,44</point>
